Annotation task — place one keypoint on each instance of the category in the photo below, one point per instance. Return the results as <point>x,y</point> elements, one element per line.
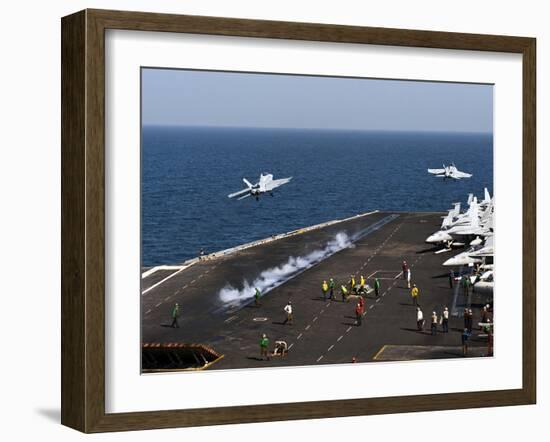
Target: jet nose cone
<point>451,262</point>
<point>432,239</point>
<point>476,242</point>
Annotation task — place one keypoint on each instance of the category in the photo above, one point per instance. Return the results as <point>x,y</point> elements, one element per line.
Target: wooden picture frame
<point>83,219</point>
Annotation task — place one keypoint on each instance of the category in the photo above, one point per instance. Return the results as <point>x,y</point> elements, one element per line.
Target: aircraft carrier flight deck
<point>323,331</point>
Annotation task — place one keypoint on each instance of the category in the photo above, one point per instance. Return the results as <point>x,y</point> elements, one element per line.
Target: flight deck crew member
<point>362,302</point>
<point>434,323</point>
<point>414,295</point>
<point>331,288</point>
<point>419,319</point>
<point>405,268</point>
<point>324,288</point>
<point>451,277</point>
<point>470,320</point>
<point>484,316</point>
<point>445,320</point>
<point>344,291</point>
<point>288,311</point>
<point>362,283</point>
<point>264,342</point>
<point>358,313</point>
<point>465,337</point>
<point>175,316</point>
<point>376,287</point>
<point>352,284</point>
<point>257,296</point>
<point>466,285</point>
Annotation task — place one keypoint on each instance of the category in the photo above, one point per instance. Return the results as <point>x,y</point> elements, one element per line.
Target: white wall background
<point>30,214</point>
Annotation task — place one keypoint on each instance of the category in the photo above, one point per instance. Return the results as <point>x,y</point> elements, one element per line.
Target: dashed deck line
<point>319,358</point>
<point>299,336</point>
<point>331,347</point>
<point>340,338</point>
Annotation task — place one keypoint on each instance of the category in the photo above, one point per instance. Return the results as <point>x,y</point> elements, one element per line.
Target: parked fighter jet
<point>449,172</point>
<point>474,255</point>
<point>266,184</point>
<point>458,228</point>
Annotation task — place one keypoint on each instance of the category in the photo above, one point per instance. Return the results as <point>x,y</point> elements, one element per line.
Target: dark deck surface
<point>323,331</point>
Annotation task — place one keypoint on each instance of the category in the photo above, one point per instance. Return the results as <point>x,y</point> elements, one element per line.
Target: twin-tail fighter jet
<point>449,172</point>
<point>266,184</point>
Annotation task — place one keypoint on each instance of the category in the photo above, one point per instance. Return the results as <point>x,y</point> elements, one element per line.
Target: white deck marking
<point>158,305</point>
<point>315,319</point>
<point>148,311</point>
<point>322,311</point>
<point>378,300</point>
<point>167,298</point>
<point>319,358</point>
<point>340,338</point>
<point>155,269</point>
<point>163,280</point>
<point>290,346</point>
<point>193,282</point>
<point>349,328</point>
<point>371,306</point>
<point>231,318</point>
<point>184,287</point>
<point>299,336</point>
<point>308,326</point>
<point>331,347</point>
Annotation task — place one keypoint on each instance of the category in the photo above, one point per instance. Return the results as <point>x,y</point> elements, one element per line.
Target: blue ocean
<point>187,173</point>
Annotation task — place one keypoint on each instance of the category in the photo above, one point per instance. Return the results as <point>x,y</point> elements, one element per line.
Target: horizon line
<point>211,126</point>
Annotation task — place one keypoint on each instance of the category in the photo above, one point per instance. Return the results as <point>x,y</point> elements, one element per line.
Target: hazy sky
<point>202,98</point>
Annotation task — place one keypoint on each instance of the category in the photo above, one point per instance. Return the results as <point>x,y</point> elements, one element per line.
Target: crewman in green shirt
<point>175,316</point>
<point>264,342</point>
<point>376,287</point>
<point>257,296</point>
<point>331,288</point>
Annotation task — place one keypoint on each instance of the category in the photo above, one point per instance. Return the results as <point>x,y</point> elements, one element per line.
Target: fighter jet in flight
<point>449,172</point>
<point>266,184</point>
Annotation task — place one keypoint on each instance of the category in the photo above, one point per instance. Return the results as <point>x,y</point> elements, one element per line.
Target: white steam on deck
<point>275,276</point>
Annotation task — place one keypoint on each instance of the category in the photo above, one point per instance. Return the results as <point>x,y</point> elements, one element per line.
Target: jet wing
<point>436,171</point>
<point>246,195</point>
<point>458,174</point>
<point>276,183</point>
<point>239,193</point>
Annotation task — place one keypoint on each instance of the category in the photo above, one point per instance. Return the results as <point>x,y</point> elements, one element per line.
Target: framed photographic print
<point>270,220</point>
